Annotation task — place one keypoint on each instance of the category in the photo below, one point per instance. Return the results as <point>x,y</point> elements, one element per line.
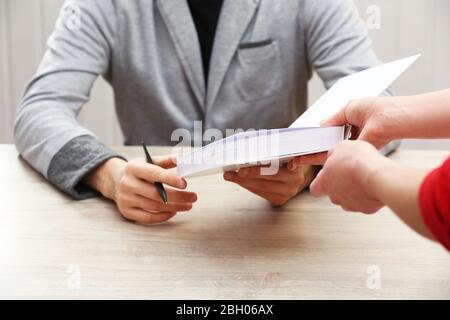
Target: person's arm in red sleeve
<point>371,182</point>
<point>359,179</point>
<point>434,200</point>
<point>419,197</point>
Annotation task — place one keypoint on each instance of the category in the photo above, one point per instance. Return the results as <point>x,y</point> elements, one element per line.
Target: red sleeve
<point>434,199</point>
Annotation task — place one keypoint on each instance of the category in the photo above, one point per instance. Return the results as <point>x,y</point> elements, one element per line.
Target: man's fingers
<point>250,173</point>
<point>173,196</point>
<point>148,190</point>
<point>166,162</point>
<point>262,185</point>
<point>176,196</point>
<point>312,159</point>
<point>157,206</point>
<point>141,216</point>
<point>154,173</point>
<point>253,173</point>
<point>283,174</point>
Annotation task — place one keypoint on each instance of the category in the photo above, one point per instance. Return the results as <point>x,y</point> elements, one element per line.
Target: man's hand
<point>278,189</point>
<point>131,186</point>
<point>348,177</point>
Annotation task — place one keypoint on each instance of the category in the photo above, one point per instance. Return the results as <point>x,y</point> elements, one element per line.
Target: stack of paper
<point>304,136</point>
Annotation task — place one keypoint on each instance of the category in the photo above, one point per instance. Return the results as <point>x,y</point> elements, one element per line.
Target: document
<point>304,136</point>
<point>369,83</point>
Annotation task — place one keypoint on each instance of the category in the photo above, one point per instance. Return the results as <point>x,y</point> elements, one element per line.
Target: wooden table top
<point>233,245</point>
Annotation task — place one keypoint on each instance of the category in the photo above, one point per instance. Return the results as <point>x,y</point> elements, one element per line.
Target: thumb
<point>166,162</point>
<point>367,134</point>
<point>338,119</point>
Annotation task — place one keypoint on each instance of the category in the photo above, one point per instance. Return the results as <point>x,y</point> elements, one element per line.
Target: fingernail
<point>193,198</point>
<point>182,184</point>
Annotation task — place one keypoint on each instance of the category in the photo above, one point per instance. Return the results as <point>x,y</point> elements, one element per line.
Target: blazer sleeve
<point>47,134</point>
<point>337,39</point>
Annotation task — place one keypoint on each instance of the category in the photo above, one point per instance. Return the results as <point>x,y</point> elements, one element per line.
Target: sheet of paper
<point>368,83</point>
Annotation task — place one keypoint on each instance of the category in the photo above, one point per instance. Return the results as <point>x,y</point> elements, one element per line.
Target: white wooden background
<point>407,27</point>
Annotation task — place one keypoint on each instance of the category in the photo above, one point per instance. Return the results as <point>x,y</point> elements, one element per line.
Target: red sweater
<point>434,199</point>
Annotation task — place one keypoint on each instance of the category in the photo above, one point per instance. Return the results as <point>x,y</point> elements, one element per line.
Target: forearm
<point>398,188</point>
<point>75,161</point>
<point>423,116</point>
<point>106,177</point>
<point>47,133</point>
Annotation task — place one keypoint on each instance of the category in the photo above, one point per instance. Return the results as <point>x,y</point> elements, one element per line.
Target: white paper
<point>368,83</point>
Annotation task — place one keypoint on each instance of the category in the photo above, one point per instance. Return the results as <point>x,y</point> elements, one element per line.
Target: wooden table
<point>232,245</point>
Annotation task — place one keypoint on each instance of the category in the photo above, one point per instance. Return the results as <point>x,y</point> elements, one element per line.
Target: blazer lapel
<point>235,17</point>
<point>177,16</point>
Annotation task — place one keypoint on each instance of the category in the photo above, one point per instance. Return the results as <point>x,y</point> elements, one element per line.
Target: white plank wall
<point>406,27</point>
<point>24,28</point>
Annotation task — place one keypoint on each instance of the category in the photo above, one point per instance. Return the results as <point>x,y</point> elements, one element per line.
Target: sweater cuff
<point>74,161</point>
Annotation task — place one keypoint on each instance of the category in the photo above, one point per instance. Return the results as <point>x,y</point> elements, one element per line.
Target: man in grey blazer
<point>227,63</point>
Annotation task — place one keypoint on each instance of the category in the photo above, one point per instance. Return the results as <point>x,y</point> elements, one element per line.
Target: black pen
<point>158,185</point>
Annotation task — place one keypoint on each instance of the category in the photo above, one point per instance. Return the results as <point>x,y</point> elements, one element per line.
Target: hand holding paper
<point>304,137</point>
<point>369,83</point>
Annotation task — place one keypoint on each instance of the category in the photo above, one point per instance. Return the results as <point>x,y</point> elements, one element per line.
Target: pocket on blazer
<point>258,73</point>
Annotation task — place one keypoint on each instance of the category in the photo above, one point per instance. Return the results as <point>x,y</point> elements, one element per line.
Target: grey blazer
<point>263,57</point>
